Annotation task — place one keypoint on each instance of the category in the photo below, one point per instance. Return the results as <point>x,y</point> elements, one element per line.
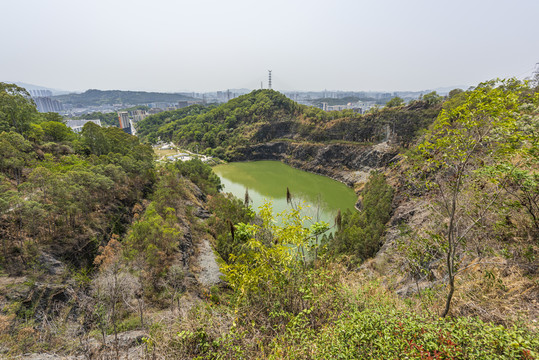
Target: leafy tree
<point>56,131</point>
<point>227,210</point>
<point>462,139</point>
<point>432,98</point>
<point>270,252</point>
<point>17,109</point>
<point>15,153</point>
<point>201,174</point>
<point>52,116</point>
<point>395,102</point>
<point>361,232</point>
<point>154,239</point>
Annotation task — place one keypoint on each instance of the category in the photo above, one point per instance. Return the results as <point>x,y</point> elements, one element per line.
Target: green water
<point>268,180</point>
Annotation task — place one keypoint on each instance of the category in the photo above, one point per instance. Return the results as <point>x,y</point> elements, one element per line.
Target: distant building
<point>154,111</point>
<point>77,125</point>
<point>123,118</point>
<point>325,106</point>
<point>46,104</point>
<point>182,104</point>
<point>40,93</point>
<point>139,115</point>
<point>125,123</point>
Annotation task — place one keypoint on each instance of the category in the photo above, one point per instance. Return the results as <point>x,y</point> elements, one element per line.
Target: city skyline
<point>171,46</point>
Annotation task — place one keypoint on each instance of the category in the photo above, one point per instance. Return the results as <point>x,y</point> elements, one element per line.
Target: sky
<point>210,45</point>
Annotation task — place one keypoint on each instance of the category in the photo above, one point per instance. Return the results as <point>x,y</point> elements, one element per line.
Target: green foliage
<point>432,98</point>
<point>17,110</point>
<point>265,115</point>
<point>56,131</point>
<point>16,153</point>
<point>270,262</point>
<point>479,129</point>
<point>70,188</point>
<point>153,239</point>
<point>162,125</point>
<point>395,102</point>
<point>201,174</point>
<point>361,232</point>
<point>226,210</point>
<point>389,334</point>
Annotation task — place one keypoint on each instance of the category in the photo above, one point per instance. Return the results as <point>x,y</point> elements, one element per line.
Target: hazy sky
<point>199,45</point>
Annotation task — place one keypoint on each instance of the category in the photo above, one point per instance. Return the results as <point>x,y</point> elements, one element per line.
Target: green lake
<point>268,180</point>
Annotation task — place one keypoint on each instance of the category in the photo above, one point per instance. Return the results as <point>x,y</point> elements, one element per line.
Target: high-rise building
<point>46,104</point>
<point>138,115</point>
<point>123,118</point>
<point>40,93</point>
<point>125,123</point>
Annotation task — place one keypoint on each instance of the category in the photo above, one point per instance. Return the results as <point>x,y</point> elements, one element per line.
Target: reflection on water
<point>268,180</point>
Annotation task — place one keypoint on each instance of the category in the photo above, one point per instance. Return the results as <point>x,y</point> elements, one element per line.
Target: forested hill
<point>61,191</point>
<point>266,115</point>
<point>94,97</point>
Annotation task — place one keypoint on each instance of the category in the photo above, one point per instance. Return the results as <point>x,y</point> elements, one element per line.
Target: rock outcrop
<point>348,163</point>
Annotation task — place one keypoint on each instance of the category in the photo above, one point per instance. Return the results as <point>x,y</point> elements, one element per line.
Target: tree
<point>57,131</point>
<point>15,152</point>
<point>113,285</point>
<point>432,98</point>
<point>462,139</point>
<point>270,251</point>
<point>17,109</point>
<point>395,102</point>
<point>360,232</point>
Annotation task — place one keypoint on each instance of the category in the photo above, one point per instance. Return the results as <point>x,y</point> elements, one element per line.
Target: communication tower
<point>269,79</point>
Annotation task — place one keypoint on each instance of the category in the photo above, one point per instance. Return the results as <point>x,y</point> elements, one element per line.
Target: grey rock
<point>50,264</point>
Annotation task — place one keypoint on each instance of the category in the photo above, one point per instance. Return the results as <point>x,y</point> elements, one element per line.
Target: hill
<point>108,97</point>
<point>267,115</point>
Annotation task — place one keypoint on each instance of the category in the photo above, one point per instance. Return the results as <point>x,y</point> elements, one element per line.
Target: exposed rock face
<point>348,163</point>
<point>51,265</point>
<point>209,274</point>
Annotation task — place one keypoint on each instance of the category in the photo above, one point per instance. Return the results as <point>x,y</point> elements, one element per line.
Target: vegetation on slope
<point>285,294</point>
<point>159,126</point>
<point>62,190</point>
<point>360,233</point>
<point>265,115</point>
<point>468,165</point>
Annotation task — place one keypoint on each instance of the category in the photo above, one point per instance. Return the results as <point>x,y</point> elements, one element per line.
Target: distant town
<point>359,101</point>
<point>130,107</point>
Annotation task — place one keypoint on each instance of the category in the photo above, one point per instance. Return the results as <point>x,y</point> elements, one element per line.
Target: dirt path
<point>209,269</point>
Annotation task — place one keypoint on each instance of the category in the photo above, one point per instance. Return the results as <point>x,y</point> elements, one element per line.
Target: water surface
<point>268,180</point>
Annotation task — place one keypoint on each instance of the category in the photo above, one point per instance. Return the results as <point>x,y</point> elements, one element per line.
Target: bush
<point>361,232</point>
<point>201,174</point>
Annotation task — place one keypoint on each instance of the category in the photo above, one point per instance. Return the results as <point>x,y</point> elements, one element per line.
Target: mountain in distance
<point>95,97</point>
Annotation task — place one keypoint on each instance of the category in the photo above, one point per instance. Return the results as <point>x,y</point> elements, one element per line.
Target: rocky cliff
<point>348,163</point>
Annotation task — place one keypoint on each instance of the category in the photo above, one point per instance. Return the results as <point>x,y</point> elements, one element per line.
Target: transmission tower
<point>269,79</point>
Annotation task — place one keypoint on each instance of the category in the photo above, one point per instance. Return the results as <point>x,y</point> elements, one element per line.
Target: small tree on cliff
<point>112,286</point>
<point>463,139</point>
